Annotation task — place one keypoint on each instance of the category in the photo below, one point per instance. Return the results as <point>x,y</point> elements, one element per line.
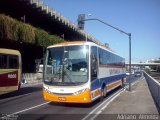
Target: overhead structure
<point>144,64</point>
<point>36,13</point>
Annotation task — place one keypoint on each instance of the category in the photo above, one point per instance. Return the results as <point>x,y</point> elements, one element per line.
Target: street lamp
<point>81,21</point>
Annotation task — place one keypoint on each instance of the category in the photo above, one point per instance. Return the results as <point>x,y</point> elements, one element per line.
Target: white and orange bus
<point>10,70</point>
<point>82,72</point>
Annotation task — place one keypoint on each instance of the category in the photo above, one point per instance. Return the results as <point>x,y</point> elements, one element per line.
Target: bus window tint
<point>3,61</point>
<point>8,61</point>
<point>13,61</point>
<point>108,58</point>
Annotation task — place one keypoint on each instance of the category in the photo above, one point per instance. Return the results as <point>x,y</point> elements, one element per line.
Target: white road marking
<point>25,110</point>
<point>105,103</point>
<point>93,114</point>
<point>15,97</point>
<point>138,80</point>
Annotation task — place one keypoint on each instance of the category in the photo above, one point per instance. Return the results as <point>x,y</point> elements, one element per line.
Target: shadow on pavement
<point>22,91</point>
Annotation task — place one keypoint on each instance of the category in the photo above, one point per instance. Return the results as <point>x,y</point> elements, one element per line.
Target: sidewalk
<point>137,102</point>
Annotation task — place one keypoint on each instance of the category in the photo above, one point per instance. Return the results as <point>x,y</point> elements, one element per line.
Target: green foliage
<point>147,70</point>
<point>19,31</point>
<point>7,27</point>
<point>24,33</point>
<point>55,39</point>
<point>44,39</point>
<point>41,37</point>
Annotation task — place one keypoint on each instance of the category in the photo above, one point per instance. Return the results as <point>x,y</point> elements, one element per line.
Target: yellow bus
<point>10,70</point>
<point>81,72</point>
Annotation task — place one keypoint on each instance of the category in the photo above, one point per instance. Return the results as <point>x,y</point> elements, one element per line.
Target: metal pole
<point>129,61</point>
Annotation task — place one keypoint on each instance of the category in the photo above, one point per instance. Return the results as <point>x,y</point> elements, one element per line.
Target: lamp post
<point>128,34</point>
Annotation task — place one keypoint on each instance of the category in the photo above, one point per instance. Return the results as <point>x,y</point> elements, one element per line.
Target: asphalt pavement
<point>137,104</point>
<point>28,104</point>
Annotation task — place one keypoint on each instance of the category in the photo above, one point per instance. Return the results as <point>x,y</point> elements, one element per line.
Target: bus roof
<point>68,43</point>
<point>78,43</point>
<point>9,51</point>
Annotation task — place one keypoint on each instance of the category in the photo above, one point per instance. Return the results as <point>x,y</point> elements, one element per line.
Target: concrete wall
<point>154,87</point>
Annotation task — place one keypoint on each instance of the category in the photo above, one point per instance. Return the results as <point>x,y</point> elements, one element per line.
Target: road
<point>29,104</point>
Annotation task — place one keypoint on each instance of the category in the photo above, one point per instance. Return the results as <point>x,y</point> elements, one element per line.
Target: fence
<point>154,87</point>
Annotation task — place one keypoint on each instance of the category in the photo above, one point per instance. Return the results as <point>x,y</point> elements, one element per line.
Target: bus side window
<point>13,61</point>
<point>93,63</point>
<point>3,61</point>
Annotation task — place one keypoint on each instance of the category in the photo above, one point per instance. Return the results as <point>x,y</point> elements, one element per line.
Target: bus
<point>82,72</point>
<point>40,70</point>
<point>10,70</point>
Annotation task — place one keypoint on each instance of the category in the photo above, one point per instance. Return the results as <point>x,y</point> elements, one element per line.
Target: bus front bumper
<point>80,98</point>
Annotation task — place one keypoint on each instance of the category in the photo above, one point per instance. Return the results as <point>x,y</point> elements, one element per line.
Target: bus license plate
<point>62,98</point>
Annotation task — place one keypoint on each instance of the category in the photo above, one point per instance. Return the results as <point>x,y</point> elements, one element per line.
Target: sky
<point>141,18</point>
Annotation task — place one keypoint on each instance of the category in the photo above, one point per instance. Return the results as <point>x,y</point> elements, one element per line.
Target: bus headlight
<point>80,91</point>
<point>47,90</point>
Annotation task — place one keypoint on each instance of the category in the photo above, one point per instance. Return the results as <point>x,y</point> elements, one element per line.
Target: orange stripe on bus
<point>113,85</point>
<point>69,43</point>
<point>96,93</point>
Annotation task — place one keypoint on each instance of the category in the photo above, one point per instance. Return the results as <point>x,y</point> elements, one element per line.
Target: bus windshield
<point>66,65</point>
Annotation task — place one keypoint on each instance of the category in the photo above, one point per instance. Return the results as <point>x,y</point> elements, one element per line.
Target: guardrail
<point>154,87</point>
